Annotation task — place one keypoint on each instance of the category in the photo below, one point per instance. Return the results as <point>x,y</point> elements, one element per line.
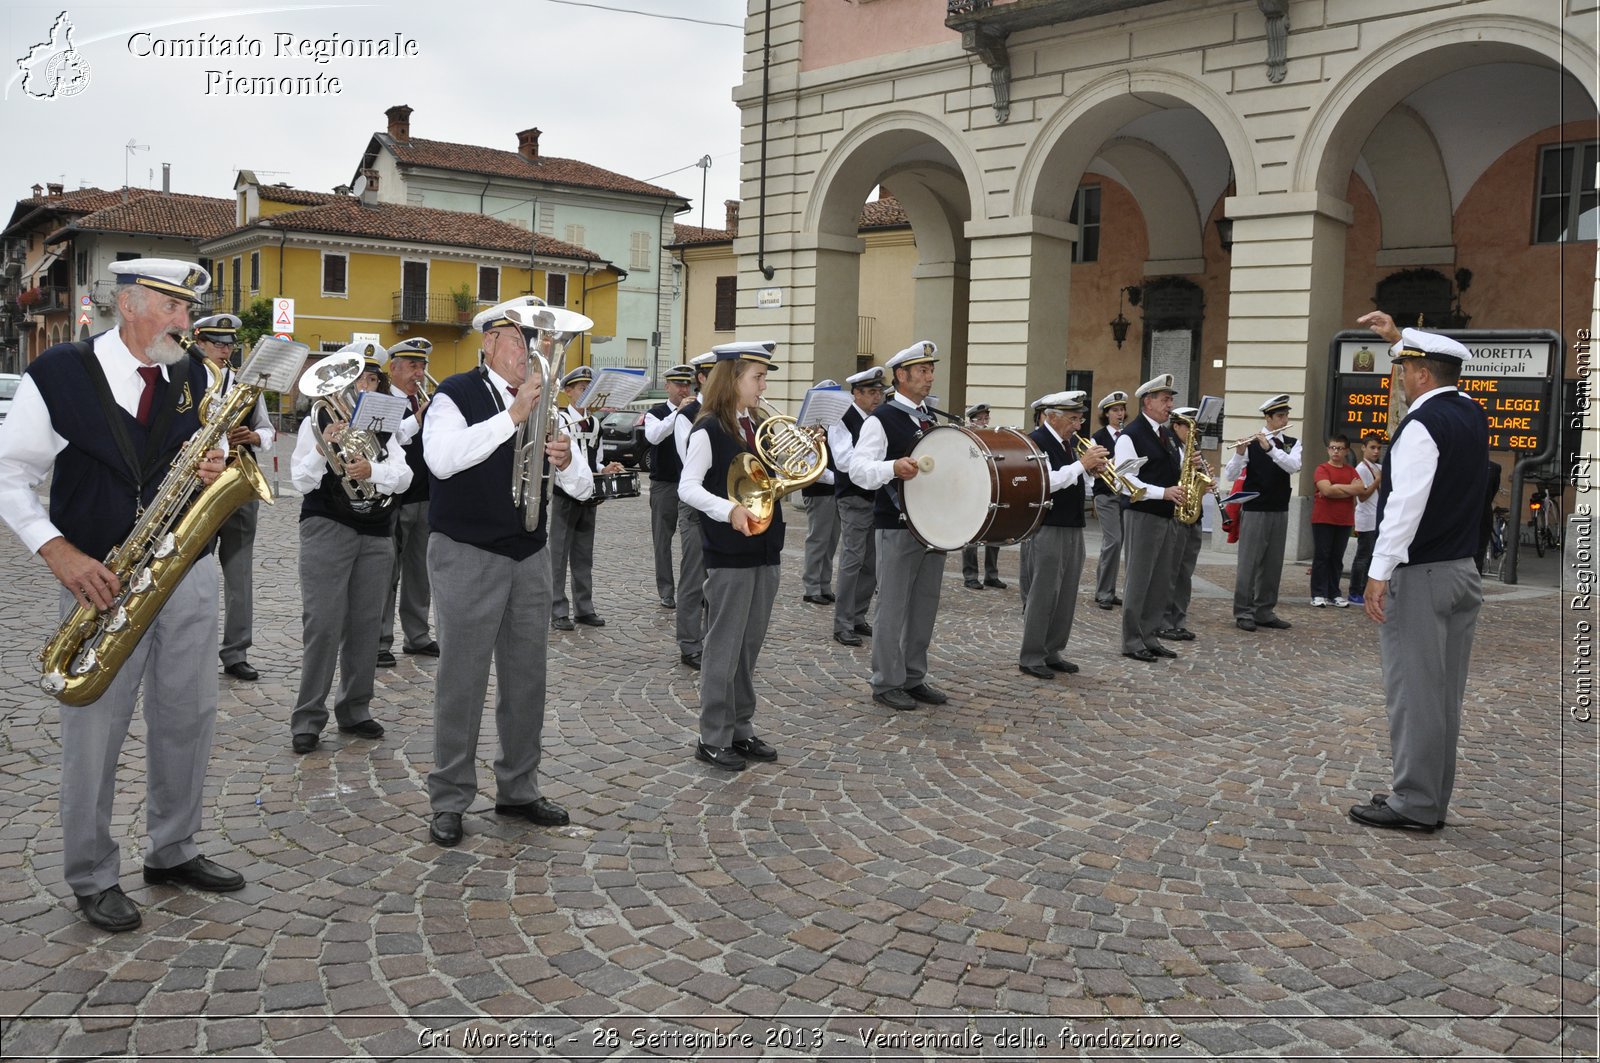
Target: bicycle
<point>1544,519</point>
<point>1498,527</point>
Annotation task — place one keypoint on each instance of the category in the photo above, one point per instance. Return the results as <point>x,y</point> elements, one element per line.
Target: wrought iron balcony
<point>422,308</point>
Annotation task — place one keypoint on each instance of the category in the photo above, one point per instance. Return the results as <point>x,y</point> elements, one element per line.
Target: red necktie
<point>415,407</point>
<point>749,431</point>
<point>147,398</point>
<point>512,390</point>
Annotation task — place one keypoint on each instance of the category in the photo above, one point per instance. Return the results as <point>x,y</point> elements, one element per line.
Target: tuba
<point>91,646</point>
<point>787,458</point>
<point>1193,478</point>
<point>554,329</point>
<point>330,384</point>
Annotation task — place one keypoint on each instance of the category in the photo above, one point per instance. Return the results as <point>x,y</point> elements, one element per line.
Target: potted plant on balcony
<point>30,297</point>
<point>464,303</point>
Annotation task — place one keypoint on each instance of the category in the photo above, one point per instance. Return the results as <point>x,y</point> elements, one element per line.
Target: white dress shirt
<point>691,482</point>
<point>1287,459</point>
<point>450,445</point>
<point>1413,460</point>
<point>1067,475</point>
<point>657,429</point>
<point>868,468</point>
<point>840,445</point>
<point>681,427</point>
<point>1367,508</point>
<point>258,421</point>
<point>1126,451</point>
<point>390,474</point>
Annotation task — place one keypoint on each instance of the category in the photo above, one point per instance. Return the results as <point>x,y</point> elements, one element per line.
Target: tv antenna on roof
<point>131,147</point>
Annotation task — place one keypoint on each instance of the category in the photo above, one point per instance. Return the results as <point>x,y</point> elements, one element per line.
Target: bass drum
<point>975,485</point>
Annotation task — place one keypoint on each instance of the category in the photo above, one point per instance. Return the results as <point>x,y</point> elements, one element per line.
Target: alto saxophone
<point>91,645</point>
<point>1192,478</point>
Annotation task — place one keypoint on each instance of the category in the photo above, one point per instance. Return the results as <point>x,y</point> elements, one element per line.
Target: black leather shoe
<point>754,748</point>
<point>1115,600</point>
<point>386,659</point>
<point>1162,651</point>
<point>430,650</point>
<point>365,729</point>
<point>690,659</point>
<point>305,743</point>
<point>1182,634</point>
<point>242,670</point>
<point>109,909</point>
<point>543,811</point>
<point>1381,815</point>
<point>1038,671</point>
<point>720,757</point>
<point>829,597</point>
<point>974,585</point>
<point>562,623</point>
<point>996,582</point>
<point>1246,624</point>
<point>847,638</point>
<point>814,599</point>
<point>446,829</point>
<point>1105,605</point>
<point>1281,625</point>
<point>591,620</point>
<point>200,873</point>
<point>1140,655</point>
<point>898,700</point>
<point>863,628</point>
<point>1169,633</point>
<point>669,602</point>
<point>1062,666</point>
<point>1383,799</point>
<point>928,694</point>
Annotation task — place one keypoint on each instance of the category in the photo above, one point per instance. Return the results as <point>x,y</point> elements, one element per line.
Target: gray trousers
<point>909,580</point>
<point>663,522</point>
<point>1152,543</point>
<point>408,581</point>
<point>738,608</point>
<point>858,563</point>
<point>1255,587</point>
<point>172,664</point>
<point>1109,509</point>
<point>1426,640</point>
<point>822,539</point>
<point>1056,566</point>
<point>1189,537</point>
<point>343,578</point>
<point>488,607</point>
<point>969,562</point>
<point>236,541</point>
<point>691,615</point>
<point>571,545</point>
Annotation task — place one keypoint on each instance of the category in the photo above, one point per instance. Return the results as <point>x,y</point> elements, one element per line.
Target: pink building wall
<point>838,32</point>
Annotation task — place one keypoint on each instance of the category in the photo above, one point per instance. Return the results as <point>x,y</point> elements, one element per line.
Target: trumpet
<point>554,329</point>
<point>787,458</point>
<point>1242,440</point>
<point>426,388</point>
<point>330,384</point>
<point>1108,474</point>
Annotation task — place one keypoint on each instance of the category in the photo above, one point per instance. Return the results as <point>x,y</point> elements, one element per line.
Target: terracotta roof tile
<point>689,235</point>
<point>883,213</point>
<point>301,196</point>
<point>86,199</point>
<point>160,214</point>
<point>346,216</point>
<point>474,159</point>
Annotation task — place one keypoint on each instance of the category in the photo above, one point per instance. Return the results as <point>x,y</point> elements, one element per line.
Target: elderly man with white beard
<point>107,417</point>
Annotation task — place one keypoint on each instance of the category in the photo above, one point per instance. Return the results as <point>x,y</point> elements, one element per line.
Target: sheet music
<point>824,407</point>
<point>377,412</point>
<point>614,388</point>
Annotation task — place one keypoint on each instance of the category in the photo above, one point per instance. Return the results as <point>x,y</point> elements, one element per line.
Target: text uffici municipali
<point>319,50</point>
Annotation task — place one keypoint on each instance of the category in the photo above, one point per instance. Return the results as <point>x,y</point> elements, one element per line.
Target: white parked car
<point>9,382</point>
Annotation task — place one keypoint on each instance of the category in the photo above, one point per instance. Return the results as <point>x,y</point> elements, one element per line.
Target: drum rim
<point>974,435</point>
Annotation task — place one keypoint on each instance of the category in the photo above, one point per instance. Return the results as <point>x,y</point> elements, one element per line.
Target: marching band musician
<point>1151,532</point>
<point>571,520</point>
<point>83,415</point>
<point>346,556</point>
<point>217,337</point>
<point>1187,553</point>
<point>1055,551</point>
<point>741,567</point>
<point>858,555</point>
<point>665,466</point>
<point>408,582</point>
<point>1268,460</point>
<point>490,579</point>
<point>822,531</point>
<point>909,575</point>
<point>978,417</point>
<point>691,618</point>
<point>1108,505</point>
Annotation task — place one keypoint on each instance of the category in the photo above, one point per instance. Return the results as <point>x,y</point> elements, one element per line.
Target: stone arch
<point>1172,216</point>
<point>1410,183</point>
<point>884,143</point>
<point>1074,135</point>
<point>1380,81</point>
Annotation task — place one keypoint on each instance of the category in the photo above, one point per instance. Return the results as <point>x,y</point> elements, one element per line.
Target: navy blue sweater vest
<point>1066,505</point>
<point>474,506</point>
<point>93,498</point>
<point>1161,468</point>
<point>1104,438</point>
<point>901,432</point>
<point>723,546</point>
<point>1262,474</point>
<point>842,484</point>
<point>1454,511</point>
<point>418,491</point>
<point>665,465</point>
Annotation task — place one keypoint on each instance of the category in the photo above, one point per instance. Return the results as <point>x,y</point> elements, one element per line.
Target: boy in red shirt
<point>1333,514</point>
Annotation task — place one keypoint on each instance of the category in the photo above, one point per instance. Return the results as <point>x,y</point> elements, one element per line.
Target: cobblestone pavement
<point>1139,860</point>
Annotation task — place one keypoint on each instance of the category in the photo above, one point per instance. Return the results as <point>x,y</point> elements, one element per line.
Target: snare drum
<point>608,485</point>
<point>982,485</point>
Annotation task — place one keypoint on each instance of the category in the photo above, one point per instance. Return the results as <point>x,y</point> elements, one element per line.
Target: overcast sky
<point>635,94</point>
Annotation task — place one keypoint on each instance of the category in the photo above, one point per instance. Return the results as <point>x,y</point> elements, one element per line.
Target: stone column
<point>941,291</point>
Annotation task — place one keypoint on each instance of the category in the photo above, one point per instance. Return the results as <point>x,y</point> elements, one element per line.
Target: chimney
<point>732,207</point>
<point>38,190</point>
<point>528,144</point>
<point>369,195</point>
<point>166,177</point>
<point>56,188</point>
<point>399,121</point>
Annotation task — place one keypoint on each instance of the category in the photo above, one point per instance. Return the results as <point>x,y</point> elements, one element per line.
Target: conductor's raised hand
<point>1380,323</point>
